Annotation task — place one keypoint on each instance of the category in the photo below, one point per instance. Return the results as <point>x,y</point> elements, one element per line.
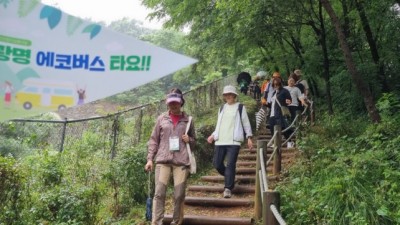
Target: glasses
<point>174,95</point>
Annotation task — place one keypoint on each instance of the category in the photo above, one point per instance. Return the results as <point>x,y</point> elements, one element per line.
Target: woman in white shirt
<point>296,95</point>
<point>231,130</point>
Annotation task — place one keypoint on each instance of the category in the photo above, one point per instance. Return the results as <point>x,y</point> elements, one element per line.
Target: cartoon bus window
<point>63,92</point>
<point>31,90</point>
<point>47,93</point>
<point>46,96</point>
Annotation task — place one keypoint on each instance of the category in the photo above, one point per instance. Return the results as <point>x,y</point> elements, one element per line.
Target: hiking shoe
<point>227,193</point>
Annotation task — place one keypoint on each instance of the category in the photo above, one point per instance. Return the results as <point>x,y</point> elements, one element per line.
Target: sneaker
<point>290,144</point>
<point>227,193</point>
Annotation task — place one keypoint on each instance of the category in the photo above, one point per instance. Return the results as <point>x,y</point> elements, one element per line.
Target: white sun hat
<point>229,89</point>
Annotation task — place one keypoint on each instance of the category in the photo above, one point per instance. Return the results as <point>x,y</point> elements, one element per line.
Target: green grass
<point>16,111</point>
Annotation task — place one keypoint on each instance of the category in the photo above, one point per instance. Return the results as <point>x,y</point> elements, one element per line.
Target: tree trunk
<point>326,60</point>
<point>346,23</point>
<point>359,82</point>
<point>372,46</point>
<point>320,32</point>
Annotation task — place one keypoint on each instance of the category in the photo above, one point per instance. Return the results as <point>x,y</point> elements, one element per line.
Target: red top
<point>175,118</point>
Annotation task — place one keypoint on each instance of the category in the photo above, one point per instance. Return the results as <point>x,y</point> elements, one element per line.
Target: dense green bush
<point>11,191</point>
<point>129,178</point>
<point>348,173</point>
<point>67,204</point>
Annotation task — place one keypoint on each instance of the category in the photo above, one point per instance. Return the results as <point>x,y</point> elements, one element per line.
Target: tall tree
<point>372,46</point>
<point>362,88</point>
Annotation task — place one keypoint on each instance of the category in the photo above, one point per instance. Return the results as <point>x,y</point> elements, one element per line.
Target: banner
<point>50,60</point>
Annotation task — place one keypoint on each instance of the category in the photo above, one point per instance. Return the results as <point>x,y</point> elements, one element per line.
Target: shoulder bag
<point>192,159</point>
<point>284,109</point>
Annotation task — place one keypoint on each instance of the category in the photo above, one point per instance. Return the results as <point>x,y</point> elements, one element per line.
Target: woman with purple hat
<point>167,147</point>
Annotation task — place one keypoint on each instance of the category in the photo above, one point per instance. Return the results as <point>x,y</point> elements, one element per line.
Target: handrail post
<point>63,134</point>
<point>261,144</point>
<point>115,130</point>
<point>278,154</point>
<point>272,198</point>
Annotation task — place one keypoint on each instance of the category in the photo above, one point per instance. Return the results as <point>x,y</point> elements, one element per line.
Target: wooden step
<point>265,136</point>
<point>219,202</point>
<point>245,170</point>
<point>207,220</point>
<point>247,157</point>
<point>245,163</point>
<point>240,178</point>
<point>238,189</point>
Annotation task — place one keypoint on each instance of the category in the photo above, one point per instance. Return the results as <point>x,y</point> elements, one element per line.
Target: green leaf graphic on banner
<point>72,24</point>
<point>25,7</point>
<point>5,3</point>
<point>93,29</point>
<point>52,14</point>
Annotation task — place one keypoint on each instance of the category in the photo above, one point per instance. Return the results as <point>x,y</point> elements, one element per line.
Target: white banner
<point>50,60</point>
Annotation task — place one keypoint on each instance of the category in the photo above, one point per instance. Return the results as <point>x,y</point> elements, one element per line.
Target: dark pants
<point>279,121</point>
<point>257,93</point>
<point>293,111</point>
<point>267,113</point>
<point>231,153</point>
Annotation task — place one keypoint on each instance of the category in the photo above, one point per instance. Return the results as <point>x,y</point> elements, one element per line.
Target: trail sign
<point>50,60</point>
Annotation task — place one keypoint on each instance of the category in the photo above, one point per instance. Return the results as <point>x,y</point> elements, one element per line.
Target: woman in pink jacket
<point>167,147</point>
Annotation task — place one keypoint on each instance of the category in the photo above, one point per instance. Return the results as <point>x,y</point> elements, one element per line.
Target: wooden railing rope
<point>277,214</point>
<point>267,202</point>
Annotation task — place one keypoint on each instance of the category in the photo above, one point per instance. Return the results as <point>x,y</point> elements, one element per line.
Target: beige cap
<point>297,72</point>
<point>229,89</point>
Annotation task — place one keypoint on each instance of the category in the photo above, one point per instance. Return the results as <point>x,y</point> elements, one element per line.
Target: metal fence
<point>114,131</point>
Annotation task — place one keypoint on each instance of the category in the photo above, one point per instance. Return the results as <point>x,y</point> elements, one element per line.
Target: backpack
<point>240,114</point>
<point>300,86</point>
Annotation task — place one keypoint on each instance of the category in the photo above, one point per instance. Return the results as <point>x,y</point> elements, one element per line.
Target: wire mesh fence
<point>113,132</point>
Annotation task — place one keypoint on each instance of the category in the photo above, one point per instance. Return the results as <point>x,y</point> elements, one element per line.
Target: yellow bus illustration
<point>38,92</point>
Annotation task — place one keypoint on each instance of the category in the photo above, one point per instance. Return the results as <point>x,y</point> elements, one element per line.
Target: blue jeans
<point>231,153</point>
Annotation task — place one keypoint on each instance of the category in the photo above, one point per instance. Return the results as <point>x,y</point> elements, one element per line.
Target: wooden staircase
<point>204,202</point>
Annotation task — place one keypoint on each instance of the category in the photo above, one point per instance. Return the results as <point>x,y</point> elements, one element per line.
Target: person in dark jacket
<point>282,96</point>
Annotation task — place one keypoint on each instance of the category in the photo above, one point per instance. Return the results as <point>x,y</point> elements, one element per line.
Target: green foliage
<point>20,140</point>
<point>348,173</point>
<point>11,191</point>
<point>130,27</point>
<point>12,147</point>
<point>389,106</point>
<point>212,76</point>
<point>68,205</point>
<point>127,172</point>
